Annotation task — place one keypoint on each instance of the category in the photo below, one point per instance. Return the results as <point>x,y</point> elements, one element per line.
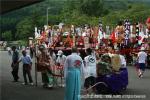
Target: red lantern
<point>148,23</point>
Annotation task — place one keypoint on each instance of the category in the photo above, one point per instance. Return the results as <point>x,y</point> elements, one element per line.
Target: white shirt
<point>123,61</point>
<point>71,62</point>
<point>8,48</point>
<point>61,60</point>
<point>28,51</point>
<point>53,56</point>
<point>84,34</point>
<point>90,66</point>
<point>142,57</point>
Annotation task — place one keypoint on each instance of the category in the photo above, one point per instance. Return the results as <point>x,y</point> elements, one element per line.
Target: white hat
<point>142,48</point>
<point>59,53</point>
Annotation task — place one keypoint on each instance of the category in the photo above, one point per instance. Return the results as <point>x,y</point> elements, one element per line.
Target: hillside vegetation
<point>19,24</point>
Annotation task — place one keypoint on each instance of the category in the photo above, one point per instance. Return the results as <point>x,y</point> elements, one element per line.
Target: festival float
<point>110,77</point>
<point>148,29</point>
<point>66,37</point>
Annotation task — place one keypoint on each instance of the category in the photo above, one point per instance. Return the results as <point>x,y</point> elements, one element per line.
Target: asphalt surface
<point>138,89</point>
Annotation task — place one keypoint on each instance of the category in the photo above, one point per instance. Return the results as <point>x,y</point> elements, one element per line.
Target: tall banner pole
<point>36,51</point>
<point>37,35</point>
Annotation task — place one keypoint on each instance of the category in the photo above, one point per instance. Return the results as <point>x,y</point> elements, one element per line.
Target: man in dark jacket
<point>15,64</point>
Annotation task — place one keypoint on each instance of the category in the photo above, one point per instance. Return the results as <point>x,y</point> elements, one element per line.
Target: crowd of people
<point>76,70</point>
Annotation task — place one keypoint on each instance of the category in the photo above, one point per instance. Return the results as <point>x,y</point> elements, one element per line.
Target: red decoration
<point>148,20</point>
<point>148,23</point>
<point>139,37</point>
<point>112,37</point>
<point>69,40</point>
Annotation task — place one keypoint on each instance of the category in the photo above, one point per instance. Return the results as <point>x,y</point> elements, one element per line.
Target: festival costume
<point>73,69</point>
<point>89,70</point>
<point>44,67</point>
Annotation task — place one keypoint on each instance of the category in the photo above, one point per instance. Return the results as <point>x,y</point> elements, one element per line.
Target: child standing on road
<point>27,63</point>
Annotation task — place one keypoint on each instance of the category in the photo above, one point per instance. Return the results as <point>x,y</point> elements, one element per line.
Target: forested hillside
<point>19,24</point>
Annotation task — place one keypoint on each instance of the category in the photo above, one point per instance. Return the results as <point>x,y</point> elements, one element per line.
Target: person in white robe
<point>73,73</point>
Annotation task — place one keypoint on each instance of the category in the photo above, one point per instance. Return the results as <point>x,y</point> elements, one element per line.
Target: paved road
<point>17,91</point>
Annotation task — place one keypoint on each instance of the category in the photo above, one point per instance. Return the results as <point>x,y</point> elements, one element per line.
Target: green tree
<point>25,29</point>
<point>92,7</point>
<point>7,35</point>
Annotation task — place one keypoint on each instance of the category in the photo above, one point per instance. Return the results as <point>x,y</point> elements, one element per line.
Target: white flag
<point>35,33</point>
<point>141,37</point>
